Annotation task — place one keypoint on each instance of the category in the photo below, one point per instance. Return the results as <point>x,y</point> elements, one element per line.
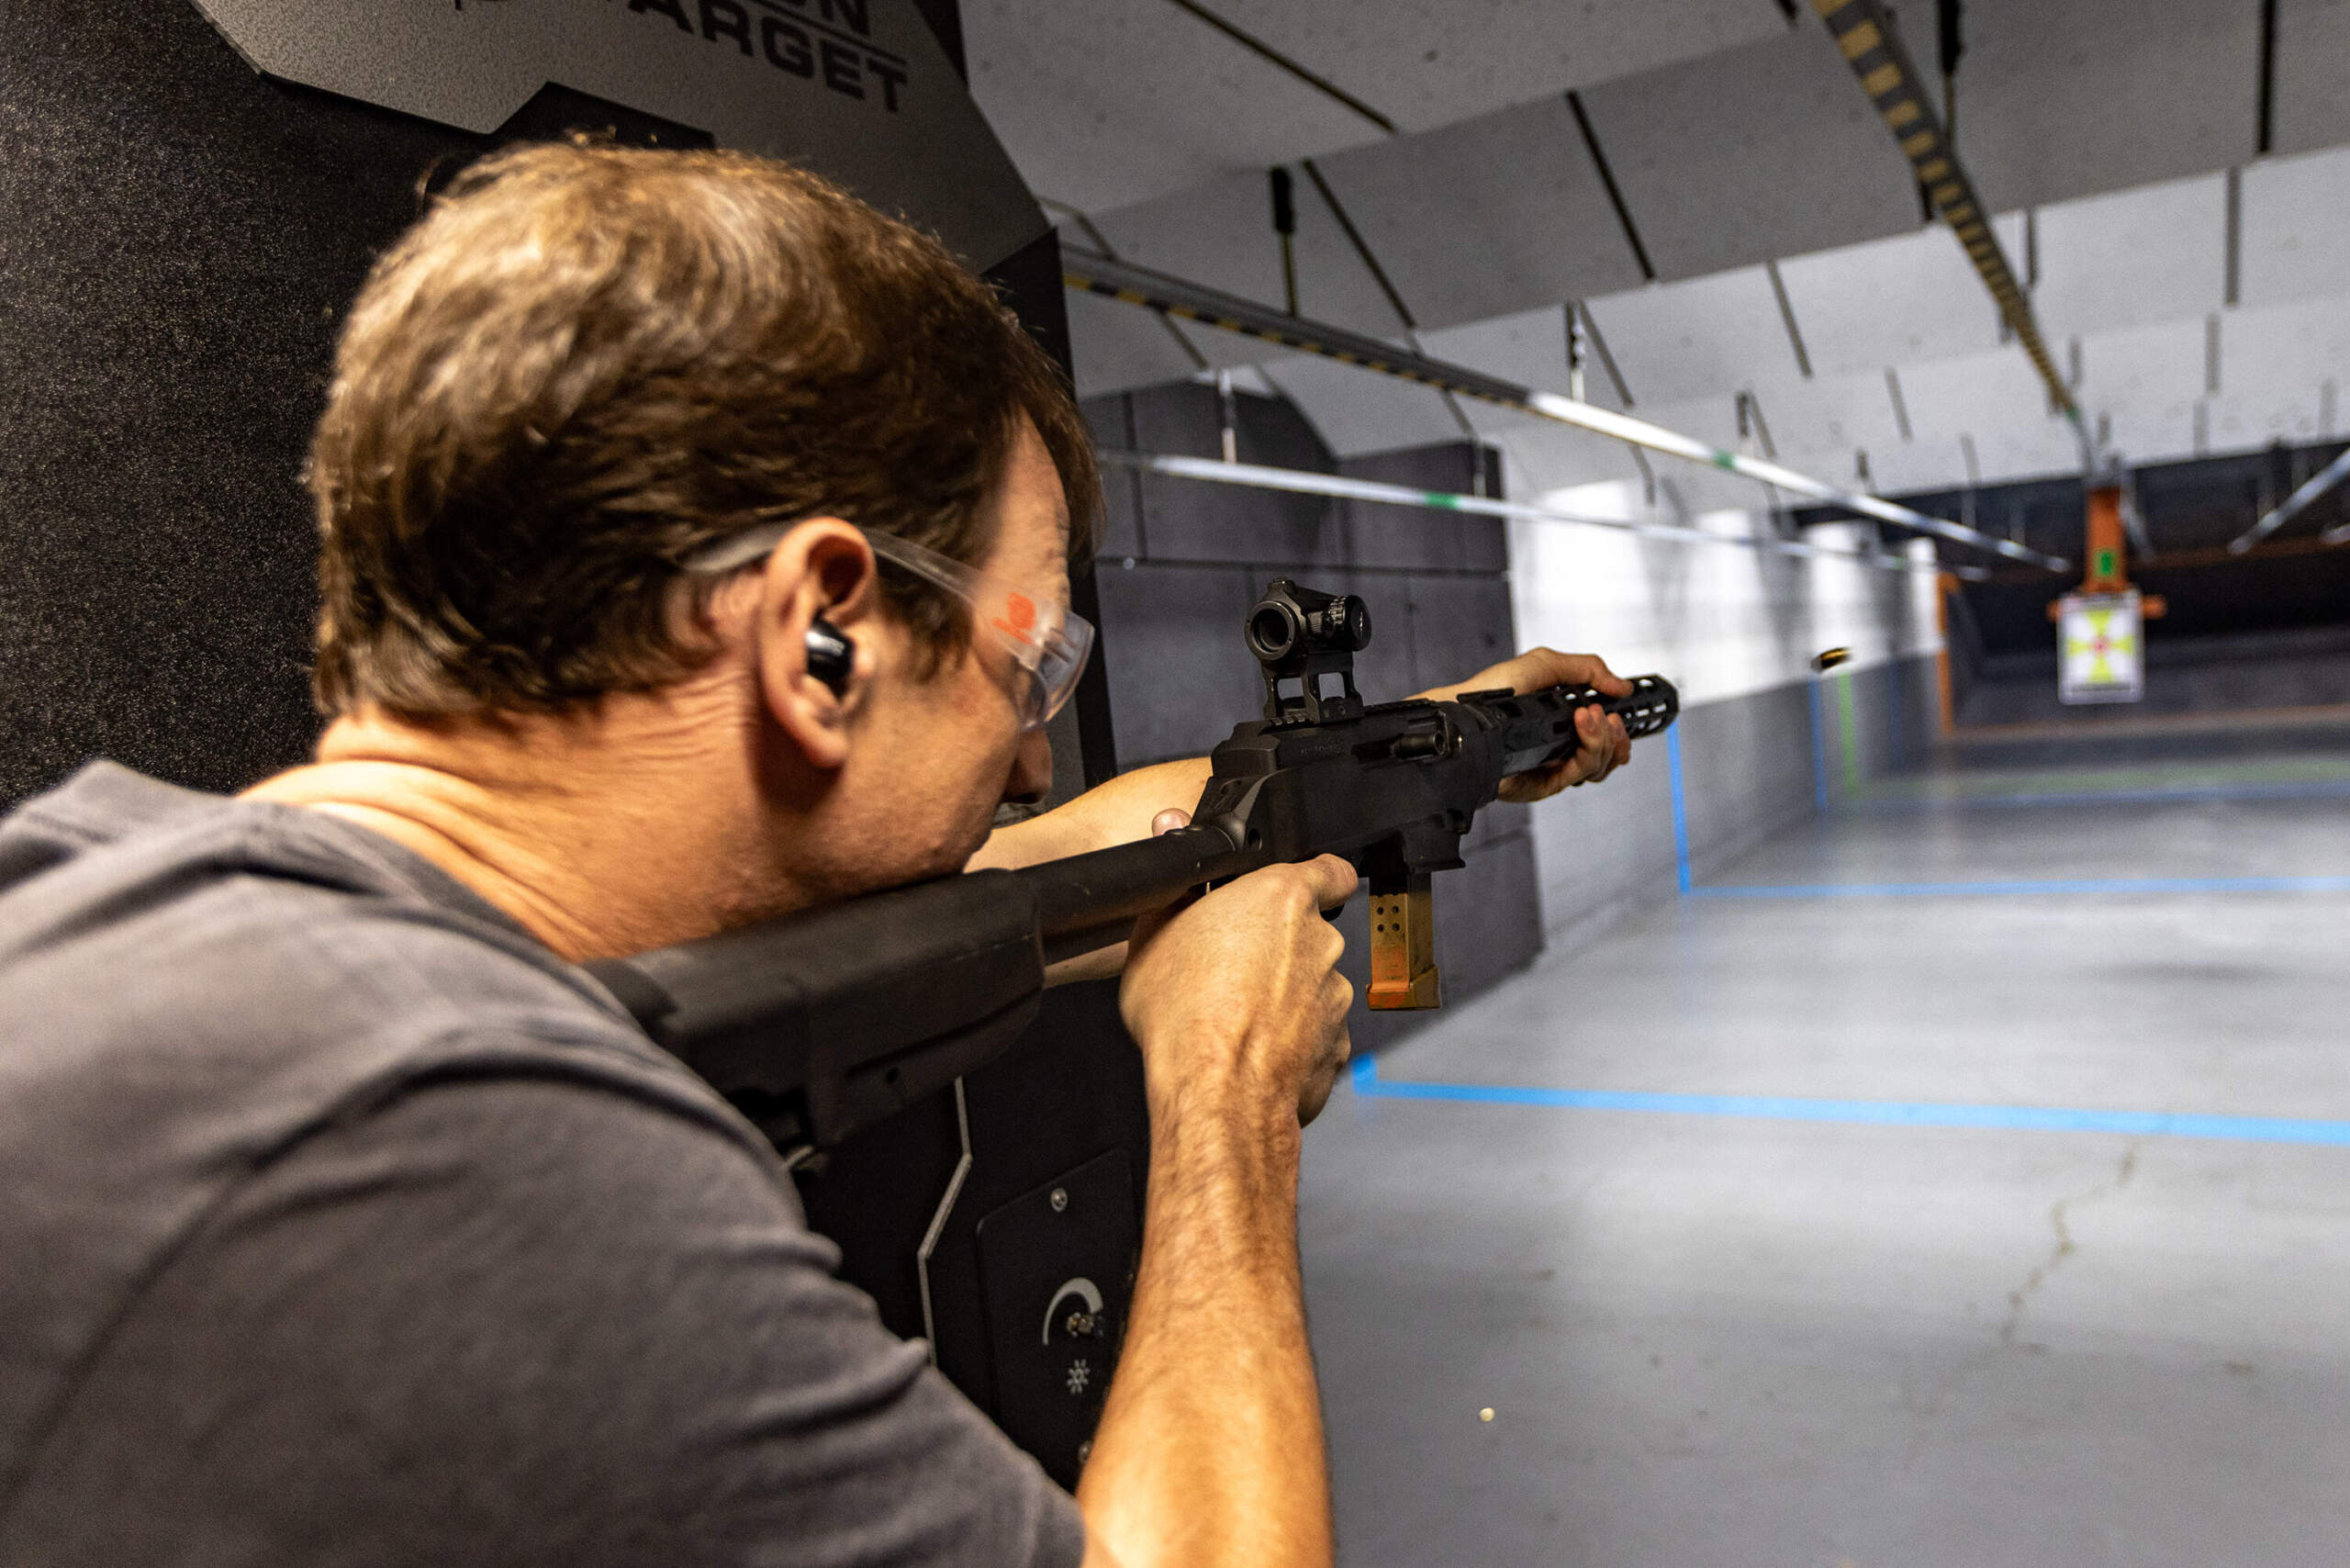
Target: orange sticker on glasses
<point>1019,618</point>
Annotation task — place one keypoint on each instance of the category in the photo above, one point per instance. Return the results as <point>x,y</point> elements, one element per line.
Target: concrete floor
<point>1810,1330</point>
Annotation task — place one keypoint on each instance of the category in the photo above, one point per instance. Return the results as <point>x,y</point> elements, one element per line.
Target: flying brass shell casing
<point>1403,946</point>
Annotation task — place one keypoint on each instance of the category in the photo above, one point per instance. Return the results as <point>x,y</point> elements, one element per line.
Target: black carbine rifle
<point>822,1023</point>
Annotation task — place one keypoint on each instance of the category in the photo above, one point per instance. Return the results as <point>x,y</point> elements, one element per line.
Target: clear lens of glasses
<point>1049,643</point>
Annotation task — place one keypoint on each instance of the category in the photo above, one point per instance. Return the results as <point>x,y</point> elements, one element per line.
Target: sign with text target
<point>857,90</point>
<point>2100,647</point>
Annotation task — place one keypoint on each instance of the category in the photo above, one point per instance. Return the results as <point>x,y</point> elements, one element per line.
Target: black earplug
<point>831,656</point>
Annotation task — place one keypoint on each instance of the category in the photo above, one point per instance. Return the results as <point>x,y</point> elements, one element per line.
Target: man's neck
<point>603,832</point>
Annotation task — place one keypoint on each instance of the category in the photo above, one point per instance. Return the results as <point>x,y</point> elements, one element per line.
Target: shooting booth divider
<point>194,191</point>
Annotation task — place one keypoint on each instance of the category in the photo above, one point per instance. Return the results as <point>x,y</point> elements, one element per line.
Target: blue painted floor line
<point>2026,889</point>
<point>1870,1112</point>
<point>2293,792</point>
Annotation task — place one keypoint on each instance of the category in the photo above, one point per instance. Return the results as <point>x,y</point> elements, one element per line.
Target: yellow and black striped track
<point>1897,93</point>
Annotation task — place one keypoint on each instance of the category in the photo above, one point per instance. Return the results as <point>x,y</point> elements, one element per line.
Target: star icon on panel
<point>1079,1374</point>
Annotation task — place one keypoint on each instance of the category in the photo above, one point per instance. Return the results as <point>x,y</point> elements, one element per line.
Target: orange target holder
<point>2108,559</point>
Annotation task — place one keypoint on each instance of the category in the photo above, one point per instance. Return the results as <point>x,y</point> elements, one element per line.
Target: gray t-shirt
<point>341,1223</point>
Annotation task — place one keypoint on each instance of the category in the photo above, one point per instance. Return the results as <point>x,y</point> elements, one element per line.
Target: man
<point>693,546</point>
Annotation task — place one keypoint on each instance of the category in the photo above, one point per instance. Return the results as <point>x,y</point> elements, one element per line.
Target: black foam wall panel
<point>178,239</point>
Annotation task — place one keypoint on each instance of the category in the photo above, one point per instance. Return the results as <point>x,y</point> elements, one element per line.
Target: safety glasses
<point>1047,642</point>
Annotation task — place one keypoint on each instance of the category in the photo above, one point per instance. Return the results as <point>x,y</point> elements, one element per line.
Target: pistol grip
<point>1403,944</point>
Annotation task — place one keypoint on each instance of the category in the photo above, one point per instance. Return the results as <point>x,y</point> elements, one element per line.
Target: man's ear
<point>824,569</point>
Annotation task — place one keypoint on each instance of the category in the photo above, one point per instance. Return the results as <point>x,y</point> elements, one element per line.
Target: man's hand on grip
<point>1234,997</point>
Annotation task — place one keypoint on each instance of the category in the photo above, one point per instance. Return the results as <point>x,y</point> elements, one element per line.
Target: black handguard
<point>822,1023</point>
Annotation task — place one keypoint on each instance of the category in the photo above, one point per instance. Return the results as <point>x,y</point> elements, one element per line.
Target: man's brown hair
<point>587,363</point>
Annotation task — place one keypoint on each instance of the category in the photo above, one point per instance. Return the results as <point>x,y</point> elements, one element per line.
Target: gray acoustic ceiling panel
<point>2297,226</point>
<point>1427,66</point>
<point>1996,399</point>
<point>2142,383</point>
<point>1704,336</point>
<point>1543,461</point>
<point>2058,101</point>
<point>1116,347</point>
<point>1765,150</point>
<point>1836,417</point>
<point>1221,234</point>
<point>1358,412</point>
<point>1914,295</point>
<point>1528,347</point>
<point>2313,42</point>
<point>1117,101</point>
<point>2284,372</point>
<point>1493,216</point>
<point>2156,253</point>
<point>1114,102</point>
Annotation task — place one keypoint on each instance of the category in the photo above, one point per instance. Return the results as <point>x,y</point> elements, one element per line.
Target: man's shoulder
<point>137,912</point>
<point>193,987</point>
<point>162,952</point>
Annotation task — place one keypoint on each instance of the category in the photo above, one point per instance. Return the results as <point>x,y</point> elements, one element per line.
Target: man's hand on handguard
<point>1606,748</point>
<point>1235,999</point>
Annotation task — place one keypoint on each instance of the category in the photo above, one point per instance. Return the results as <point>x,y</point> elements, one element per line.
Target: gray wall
<point>1752,767</point>
<point>1182,561</point>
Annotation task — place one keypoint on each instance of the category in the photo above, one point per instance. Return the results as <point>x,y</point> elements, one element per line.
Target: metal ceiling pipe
<point>1194,302</point>
<point>2300,502</point>
<point>1299,481</point>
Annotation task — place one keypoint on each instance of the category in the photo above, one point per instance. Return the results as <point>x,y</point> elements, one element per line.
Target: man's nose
<point>1032,770</point>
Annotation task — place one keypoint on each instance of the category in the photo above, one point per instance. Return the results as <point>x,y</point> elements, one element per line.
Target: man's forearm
<point>1112,813</point>
<point>1210,1450</point>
